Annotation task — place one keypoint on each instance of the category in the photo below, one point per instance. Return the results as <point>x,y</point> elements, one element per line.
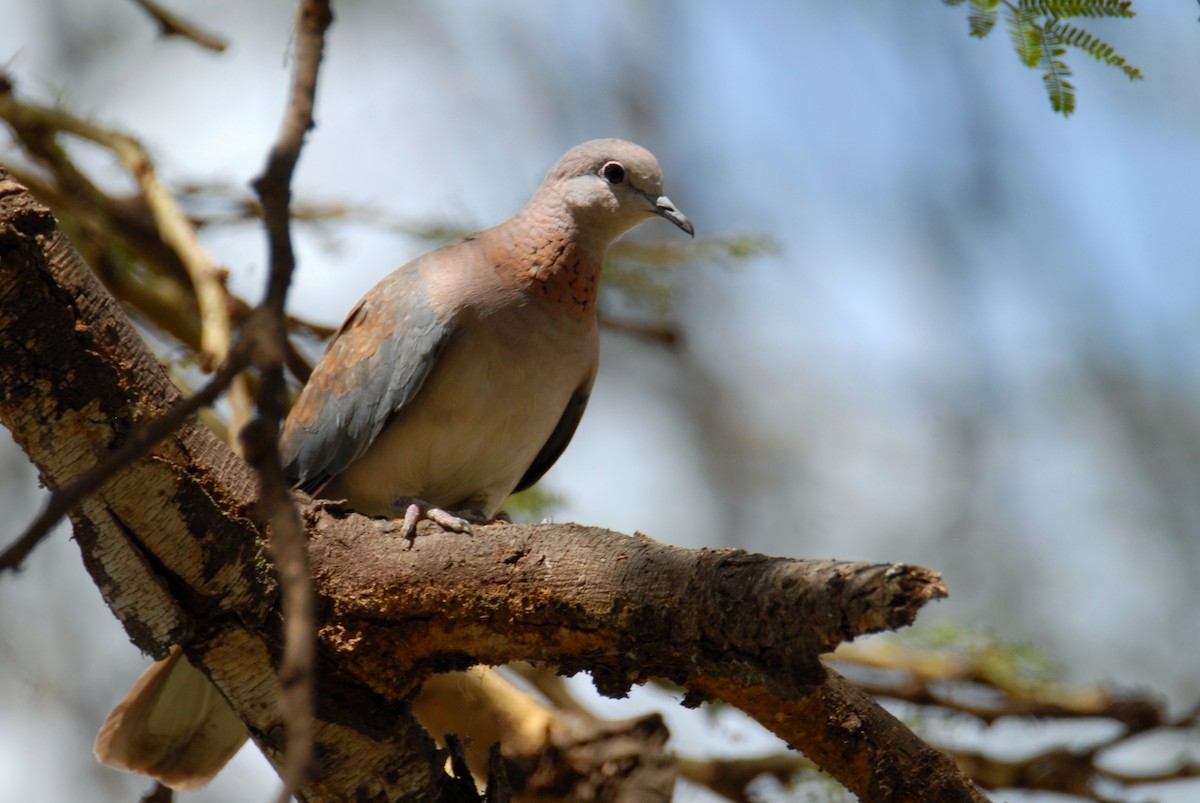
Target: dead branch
<point>514,593</point>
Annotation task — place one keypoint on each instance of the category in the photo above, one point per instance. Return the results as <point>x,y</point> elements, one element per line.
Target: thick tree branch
<point>141,440</point>
<point>646,610</point>
<point>173,545</point>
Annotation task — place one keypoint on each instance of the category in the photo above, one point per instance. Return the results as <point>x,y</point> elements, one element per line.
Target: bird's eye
<point>613,173</point>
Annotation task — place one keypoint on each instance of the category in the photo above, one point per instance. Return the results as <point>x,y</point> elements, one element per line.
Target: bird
<point>456,381</point>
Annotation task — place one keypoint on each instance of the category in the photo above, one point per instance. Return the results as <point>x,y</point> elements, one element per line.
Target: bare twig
<point>288,542</point>
<point>109,224</point>
<point>929,676</point>
<point>171,24</point>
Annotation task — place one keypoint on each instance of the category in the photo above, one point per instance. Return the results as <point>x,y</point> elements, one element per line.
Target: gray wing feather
<point>374,366</point>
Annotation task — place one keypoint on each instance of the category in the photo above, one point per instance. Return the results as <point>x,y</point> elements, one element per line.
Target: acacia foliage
<point>1041,32</point>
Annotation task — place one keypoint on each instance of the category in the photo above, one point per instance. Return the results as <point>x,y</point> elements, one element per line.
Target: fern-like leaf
<point>1026,36</point>
<point>1098,49</point>
<point>982,17</point>
<point>1041,38</point>
<point>1064,9</point>
<point>1060,90</point>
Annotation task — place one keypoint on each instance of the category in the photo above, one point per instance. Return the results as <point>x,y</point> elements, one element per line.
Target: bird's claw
<point>416,510</point>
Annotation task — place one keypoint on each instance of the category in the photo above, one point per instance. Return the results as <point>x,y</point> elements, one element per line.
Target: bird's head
<point>610,186</point>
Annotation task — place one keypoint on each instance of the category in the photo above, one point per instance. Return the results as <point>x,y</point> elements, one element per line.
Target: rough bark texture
<point>173,545</point>
<point>575,597</point>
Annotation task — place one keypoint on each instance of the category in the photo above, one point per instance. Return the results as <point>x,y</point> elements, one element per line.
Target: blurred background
<point>974,346</point>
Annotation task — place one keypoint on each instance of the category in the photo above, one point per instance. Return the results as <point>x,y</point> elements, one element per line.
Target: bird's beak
<point>664,208</point>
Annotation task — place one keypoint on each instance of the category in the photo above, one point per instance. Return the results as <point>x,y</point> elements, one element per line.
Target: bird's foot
<point>417,510</point>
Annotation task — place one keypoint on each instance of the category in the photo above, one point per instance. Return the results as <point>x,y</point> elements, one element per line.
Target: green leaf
<point>982,17</point>
<point>1063,9</point>
<point>1060,90</point>
<point>1099,50</point>
<point>1026,36</point>
<point>1041,38</point>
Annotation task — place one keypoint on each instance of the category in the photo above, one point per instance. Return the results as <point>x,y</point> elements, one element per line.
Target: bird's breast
<point>485,411</point>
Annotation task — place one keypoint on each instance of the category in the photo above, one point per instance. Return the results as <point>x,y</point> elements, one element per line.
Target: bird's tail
<point>172,725</point>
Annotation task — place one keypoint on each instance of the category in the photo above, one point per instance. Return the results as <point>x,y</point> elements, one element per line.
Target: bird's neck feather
<point>550,258</point>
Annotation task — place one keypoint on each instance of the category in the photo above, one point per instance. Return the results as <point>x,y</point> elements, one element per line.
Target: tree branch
<point>141,440</point>
<point>514,593</point>
<point>262,439</point>
<point>171,24</point>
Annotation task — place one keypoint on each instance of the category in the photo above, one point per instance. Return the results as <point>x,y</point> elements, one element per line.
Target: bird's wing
<point>559,438</point>
<point>374,366</point>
